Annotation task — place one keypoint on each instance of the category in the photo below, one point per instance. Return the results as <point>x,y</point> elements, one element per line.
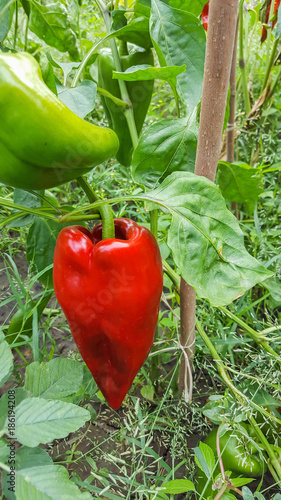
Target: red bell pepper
<point>205,16</point>
<point>275,12</point>
<point>110,290</point>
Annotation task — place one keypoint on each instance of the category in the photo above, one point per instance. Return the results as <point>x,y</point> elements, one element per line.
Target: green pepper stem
<point>105,210</point>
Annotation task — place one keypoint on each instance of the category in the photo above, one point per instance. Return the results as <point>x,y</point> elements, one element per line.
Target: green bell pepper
<point>238,455</point>
<point>43,143</point>
<point>140,93</point>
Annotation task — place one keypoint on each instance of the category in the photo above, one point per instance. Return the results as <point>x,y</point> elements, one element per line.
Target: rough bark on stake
<point>230,131</point>
<point>219,51</point>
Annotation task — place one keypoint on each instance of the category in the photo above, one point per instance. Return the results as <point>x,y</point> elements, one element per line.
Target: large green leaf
<point>6,360</point>
<point>206,240</point>
<point>164,147</point>
<point>239,182</point>
<point>51,22</point>
<point>42,421</point>
<point>47,482</point>
<point>56,379</point>
<point>179,38</point>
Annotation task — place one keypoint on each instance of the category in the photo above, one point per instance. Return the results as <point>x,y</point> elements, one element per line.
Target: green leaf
<point>22,321</point>
<point>81,99</point>
<point>273,285</point>
<point>6,360</point>
<point>247,494</point>
<point>50,21</point>
<point>4,450</point>
<point>179,486</point>
<point>31,457</point>
<point>6,17</point>
<point>40,246</point>
<point>179,38</point>
<point>239,182</point>
<point>25,199</point>
<point>48,482</point>
<point>136,31</point>
<point>241,481</point>
<point>40,421</point>
<point>145,72</point>
<point>19,393</point>
<point>56,379</point>
<point>147,391</point>
<point>193,6</point>
<point>205,459</point>
<point>164,147</point>
<point>205,239</point>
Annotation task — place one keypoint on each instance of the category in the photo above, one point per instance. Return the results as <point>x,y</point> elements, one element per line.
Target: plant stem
<point>242,64</point>
<point>85,60</point>
<point>26,34</point>
<point>116,100</point>
<point>105,210</point>
<point>174,277</point>
<point>154,223</point>
<point>270,62</point>
<point>129,114</point>
<point>16,25</point>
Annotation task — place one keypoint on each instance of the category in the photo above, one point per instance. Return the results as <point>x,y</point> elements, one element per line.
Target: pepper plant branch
<point>105,210</point>
<point>117,101</point>
<point>128,113</point>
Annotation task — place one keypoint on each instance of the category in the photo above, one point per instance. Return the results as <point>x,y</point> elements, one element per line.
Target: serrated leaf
<point>50,21</point>
<point>179,38</point>
<point>146,72</point>
<point>81,99</point>
<point>205,459</point>
<point>164,147</point>
<point>206,240</point>
<point>6,360</point>
<point>48,482</point>
<point>239,182</point>
<point>41,421</point>
<point>179,486</point>
<point>56,379</point>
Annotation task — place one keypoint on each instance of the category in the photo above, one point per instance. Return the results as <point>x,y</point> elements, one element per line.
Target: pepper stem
<point>106,213</point>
